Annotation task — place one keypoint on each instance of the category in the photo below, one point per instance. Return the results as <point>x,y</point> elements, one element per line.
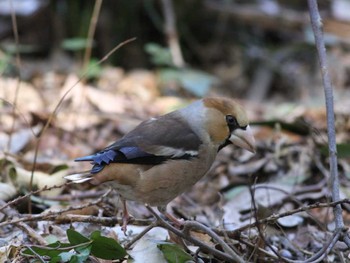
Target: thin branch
<point>258,225</point>
<point>328,91</point>
<point>317,257</point>
<point>188,225</point>
<point>32,233</point>
<point>274,217</point>
<point>203,246</point>
<point>140,235</point>
<point>92,28</point>
<point>171,33</point>
<point>52,214</point>
<point>35,254</point>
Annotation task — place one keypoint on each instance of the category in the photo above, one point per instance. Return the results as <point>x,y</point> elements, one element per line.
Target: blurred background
<point>257,50</point>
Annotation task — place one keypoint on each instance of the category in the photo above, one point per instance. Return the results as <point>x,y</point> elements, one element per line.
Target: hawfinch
<point>165,156</point>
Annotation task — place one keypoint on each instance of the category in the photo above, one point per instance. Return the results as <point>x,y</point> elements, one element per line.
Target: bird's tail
<point>79,177</point>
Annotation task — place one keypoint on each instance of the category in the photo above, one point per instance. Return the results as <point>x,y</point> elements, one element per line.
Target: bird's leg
<point>126,218</point>
<point>177,222</point>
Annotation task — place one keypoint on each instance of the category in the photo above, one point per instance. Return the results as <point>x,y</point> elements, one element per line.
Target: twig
<point>90,36</point>
<point>80,195</point>
<point>258,225</point>
<point>99,220</point>
<point>267,253</point>
<point>171,33</point>
<point>188,225</point>
<point>11,212</point>
<point>51,214</point>
<point>32,233</point>
<point>328,91</point>
<point>317,257</point>
<point>203,246</point>
<point>115,49</point>
<point>274,217</point>
<point>20,198</point>
<point>35,254</point>
<point>140,235</point>
<point>59,248</point>
<point>292,197</point>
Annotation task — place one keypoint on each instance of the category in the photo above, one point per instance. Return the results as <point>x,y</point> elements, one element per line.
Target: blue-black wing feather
<point>130,149</point>
<point>127,154</point>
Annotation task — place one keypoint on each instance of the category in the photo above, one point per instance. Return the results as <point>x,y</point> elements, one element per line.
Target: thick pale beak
<point>244,139</point>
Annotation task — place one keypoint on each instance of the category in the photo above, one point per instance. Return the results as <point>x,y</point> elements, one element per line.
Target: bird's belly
<point>161,184</point>
<point>126,191</point>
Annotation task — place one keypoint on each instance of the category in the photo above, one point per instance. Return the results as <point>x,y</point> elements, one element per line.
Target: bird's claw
<point>126,219</point>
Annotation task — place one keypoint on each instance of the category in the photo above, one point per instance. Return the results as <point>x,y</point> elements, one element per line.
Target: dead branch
<point>328,91</point>
<point>203,246</point>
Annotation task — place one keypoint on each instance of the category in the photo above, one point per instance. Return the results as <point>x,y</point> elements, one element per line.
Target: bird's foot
<point>177,222</point>
<point>126,219</point>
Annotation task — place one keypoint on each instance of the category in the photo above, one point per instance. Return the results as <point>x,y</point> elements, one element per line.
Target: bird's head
<point>227,123</point>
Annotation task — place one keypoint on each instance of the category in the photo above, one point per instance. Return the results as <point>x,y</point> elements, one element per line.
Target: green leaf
<point>173,253</point>
<point>343,150</point>
<point>160,56</point>
<point>81,242</point>
<point>105,247</point>
<point>94,69</point>
<point>74,44</point>
<point>195,81</point>
<point>76,238</point>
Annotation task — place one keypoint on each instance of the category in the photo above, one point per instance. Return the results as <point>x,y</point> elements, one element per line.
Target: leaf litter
<point>288,171</point>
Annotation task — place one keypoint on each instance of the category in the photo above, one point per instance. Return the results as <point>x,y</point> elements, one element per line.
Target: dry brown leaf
<point>28,98</point>
<point>19,139</point>
<point>110,77</point>
<point>105,101</point>
<point>72,121</point>
<point>141,84</point>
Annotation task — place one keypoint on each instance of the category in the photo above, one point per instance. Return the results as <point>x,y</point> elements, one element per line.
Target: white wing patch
<point>170,151</point>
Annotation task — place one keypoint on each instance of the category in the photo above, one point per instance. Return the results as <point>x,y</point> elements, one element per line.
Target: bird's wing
<point>152,142</point>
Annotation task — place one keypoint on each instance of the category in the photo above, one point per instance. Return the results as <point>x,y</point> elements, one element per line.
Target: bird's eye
<point>231,121</point>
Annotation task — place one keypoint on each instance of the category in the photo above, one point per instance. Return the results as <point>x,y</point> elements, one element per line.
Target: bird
<point>165,156</point>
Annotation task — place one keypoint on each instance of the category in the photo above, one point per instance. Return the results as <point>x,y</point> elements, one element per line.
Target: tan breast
<point>157,185</point>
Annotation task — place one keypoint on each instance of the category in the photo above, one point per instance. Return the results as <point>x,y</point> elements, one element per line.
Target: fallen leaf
<point>28,98</point>
<point>41,180</point>
<point>19,139</point>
